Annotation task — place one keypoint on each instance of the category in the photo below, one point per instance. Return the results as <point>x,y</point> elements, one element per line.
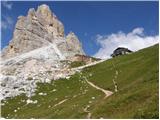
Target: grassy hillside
<point>136,76</point>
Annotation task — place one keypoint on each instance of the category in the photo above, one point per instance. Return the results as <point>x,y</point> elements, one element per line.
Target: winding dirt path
<point>106,92</point>
<point>60,102</point>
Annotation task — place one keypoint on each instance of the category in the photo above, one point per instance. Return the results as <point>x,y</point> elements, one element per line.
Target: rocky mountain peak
<point>45,12</point>
<point>71,33</point>
<point>74,44</point>
<point>42,11</point>
<point>38,29</point>
<point>38,52</point>
<point>31,12</point>
<point>71,36</point>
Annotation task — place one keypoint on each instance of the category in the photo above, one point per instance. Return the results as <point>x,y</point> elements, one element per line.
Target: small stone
<point>90,74</point>
<point>67,77</point>
<point>54,90</point>
<point>42,94</point>
<point>93,98</point>
<point>48,80</point>
<point>90,102</point>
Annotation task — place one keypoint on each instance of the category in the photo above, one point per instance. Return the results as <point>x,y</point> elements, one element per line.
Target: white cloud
<point>138,31</point>
<point>134,41</point>
<point>6,23</point>
<point>7,5</point>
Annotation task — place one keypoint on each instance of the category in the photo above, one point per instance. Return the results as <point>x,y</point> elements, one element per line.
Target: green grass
<point>137,95</point>
<point>77,64</point>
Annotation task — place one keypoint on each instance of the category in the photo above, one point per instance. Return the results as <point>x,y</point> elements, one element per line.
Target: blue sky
<point>89,20</point>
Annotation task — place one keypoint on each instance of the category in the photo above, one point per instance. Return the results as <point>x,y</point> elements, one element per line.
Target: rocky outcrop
<point>73,44</point>
<point>38,52</point>
<point>40,28</point>
<point>83,58</point>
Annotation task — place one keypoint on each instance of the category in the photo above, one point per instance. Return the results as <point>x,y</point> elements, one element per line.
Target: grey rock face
<point>73,44</point>
<point>40,28</point>
<point>37,52</point>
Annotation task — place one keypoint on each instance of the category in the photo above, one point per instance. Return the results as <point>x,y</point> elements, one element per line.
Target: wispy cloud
<point>7,5</point>
<point>6,23</point>
<point>134,40</point>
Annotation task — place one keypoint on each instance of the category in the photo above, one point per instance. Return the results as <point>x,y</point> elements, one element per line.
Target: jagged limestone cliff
<point>38,52</point>
<point>38,29</point>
